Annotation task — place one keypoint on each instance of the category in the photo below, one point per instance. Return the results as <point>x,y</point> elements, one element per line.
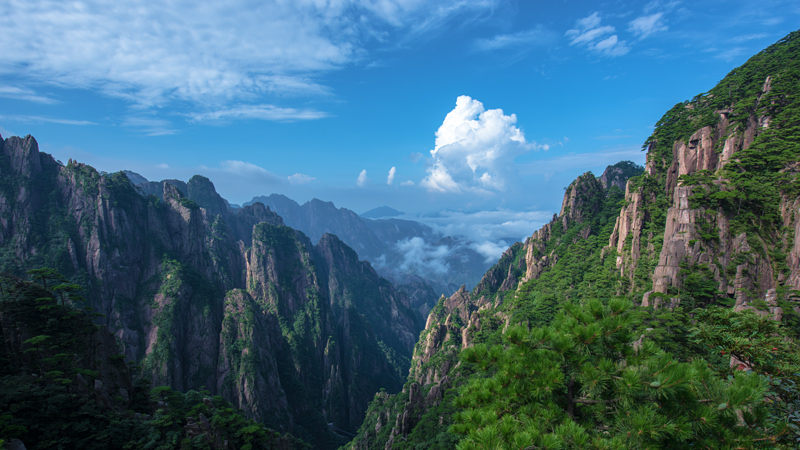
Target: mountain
<point>395,247</point>
<point>381,212</point>
<point>64,383</point>
<point>316,217</point>
<point>705,244</point>
<point>294,334</point>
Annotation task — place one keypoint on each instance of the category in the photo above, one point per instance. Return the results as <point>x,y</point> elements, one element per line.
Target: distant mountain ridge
<point>381,212</point>
<point>385,242</point>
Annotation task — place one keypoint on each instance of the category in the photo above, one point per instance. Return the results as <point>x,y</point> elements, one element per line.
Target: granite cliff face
<point>719,201</point>
<point>297,335</point>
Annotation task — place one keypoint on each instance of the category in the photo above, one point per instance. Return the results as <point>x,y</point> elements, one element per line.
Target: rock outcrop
<point>743,263</point>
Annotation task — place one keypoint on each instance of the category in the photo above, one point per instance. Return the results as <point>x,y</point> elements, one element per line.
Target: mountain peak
<point>381,212</point>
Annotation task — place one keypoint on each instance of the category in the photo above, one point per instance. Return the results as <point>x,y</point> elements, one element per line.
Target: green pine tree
<point>585,383</point>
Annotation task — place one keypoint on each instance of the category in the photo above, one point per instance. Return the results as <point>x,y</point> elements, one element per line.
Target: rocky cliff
<point>717,206</point>
<point>295,334</point>
<point>712,220</point>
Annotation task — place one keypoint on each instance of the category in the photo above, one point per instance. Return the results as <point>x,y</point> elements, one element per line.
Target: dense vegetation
<point>56,377</point>
<point>579,383</point>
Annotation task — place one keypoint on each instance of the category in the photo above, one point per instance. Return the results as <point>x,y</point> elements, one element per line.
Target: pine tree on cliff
<point>583,383</point>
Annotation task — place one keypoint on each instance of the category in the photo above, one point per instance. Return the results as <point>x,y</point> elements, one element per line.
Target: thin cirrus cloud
<point>262,112</point>
<point>154,54</point>
<point>537,36</point>
<point>589,33</point>
<point>150,126</point>
<point>21,93</point>
<point>42,119</point>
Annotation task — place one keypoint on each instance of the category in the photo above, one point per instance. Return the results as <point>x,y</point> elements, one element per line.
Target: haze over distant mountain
<point>381,212</point>
<point>397,248</point>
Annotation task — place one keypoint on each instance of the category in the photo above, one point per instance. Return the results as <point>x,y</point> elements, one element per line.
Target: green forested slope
<point>588,349</point>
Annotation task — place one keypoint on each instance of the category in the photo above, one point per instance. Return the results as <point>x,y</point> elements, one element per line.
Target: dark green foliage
<point>43,404</point>
<point>45,415</point>
<point>699,288</point>
<point>629,169</point>
<point>761,345</point>
<point>165,428</point>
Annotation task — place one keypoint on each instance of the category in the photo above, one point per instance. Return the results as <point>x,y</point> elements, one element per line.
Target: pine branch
<point>589,401</point>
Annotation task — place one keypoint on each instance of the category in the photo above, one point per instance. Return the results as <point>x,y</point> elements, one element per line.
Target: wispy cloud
<point>300,178</point>
<point>730,53</point>
<point>260,112</point>
<point>589,33</point>
<point>528,38</point>
<point>644,26</point>
<point>748,37</point>
<point>153,54</point>
<point>21,93</point>
<point>41,119</point>
<point>5,133</point>
<point>150,126</point>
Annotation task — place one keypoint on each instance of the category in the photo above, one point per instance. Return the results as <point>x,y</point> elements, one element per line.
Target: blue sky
<point>326,99</point>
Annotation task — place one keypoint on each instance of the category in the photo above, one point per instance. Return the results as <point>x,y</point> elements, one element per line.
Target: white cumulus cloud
<point>475,150</point>
<point>300,178</point>
<point>362,178</point>
<point>390,178</point>
<point>589,33</point>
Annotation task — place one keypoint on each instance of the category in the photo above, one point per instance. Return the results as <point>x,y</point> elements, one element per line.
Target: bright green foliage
<point>582,270</point>
<point>581,384</point>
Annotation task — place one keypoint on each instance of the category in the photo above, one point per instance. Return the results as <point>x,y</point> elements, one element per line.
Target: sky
<point>472,115</point>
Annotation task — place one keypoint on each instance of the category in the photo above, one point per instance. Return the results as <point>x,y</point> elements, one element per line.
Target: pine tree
<point>582,383</point>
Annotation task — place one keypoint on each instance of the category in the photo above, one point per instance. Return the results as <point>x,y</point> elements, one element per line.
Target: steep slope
<point>64,384</point>
<point>560,262</point>
<point>296,335</point>
<point>711,222</point>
